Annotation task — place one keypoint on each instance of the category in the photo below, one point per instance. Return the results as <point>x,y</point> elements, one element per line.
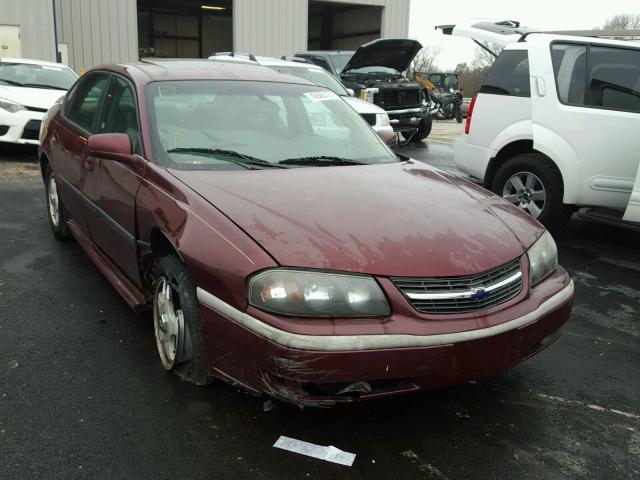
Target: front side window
<point>509,75</point>
<point>83,104</point>
<point>222,125</point>
<point>120,114</point>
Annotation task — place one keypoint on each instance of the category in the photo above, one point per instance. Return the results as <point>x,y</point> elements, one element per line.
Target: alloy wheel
<point>53,201</point>
<point>526,190</point>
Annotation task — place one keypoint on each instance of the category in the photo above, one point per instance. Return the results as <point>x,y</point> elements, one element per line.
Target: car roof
<point>201,69</point>
<point>32,61</point>
<point>327,52</point>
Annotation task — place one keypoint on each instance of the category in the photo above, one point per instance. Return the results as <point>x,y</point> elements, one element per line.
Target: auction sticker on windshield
<point>321,96</point>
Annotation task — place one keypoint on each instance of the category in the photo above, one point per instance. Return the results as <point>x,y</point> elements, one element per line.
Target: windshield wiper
<point>11,82</point>
<point>40,85</point>
<point>320,161</point>
<point>215,152</point>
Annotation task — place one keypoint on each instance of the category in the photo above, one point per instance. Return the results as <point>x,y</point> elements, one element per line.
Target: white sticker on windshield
<point>320,96</point>
<point>46,67</point>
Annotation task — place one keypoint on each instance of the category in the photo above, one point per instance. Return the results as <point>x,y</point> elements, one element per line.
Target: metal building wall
<point>35,18</point>
<point>98,31</point>
<point>280,27</point>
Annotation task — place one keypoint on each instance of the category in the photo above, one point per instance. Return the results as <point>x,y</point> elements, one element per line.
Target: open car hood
<point>391,53</point>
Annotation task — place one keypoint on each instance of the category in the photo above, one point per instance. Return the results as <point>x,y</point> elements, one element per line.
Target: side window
<point>120,114</point>
<point>85,101</point>
<point>509,75</point>
<point>613,79</point>
<point>569,66</point>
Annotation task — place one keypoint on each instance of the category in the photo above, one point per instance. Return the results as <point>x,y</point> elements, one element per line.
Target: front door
<point>632,214</point>
<point>586,107</point>
<point>112,186</point>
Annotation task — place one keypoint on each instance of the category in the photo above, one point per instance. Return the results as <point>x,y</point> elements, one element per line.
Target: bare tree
<point>424,62</point>
<point>483,59</point>
<point>623,21</point>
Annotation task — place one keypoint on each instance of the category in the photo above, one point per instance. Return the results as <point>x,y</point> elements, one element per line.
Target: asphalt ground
<point>83,394</point>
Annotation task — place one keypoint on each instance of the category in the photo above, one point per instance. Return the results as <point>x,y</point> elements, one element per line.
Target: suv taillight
<point>467,125</point>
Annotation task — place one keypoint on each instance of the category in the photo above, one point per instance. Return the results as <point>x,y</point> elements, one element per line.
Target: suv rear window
<point>597,76</point>
<point>509,75</point>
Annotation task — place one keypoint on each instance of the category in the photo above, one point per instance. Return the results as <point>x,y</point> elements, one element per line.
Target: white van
<point>556,125</point>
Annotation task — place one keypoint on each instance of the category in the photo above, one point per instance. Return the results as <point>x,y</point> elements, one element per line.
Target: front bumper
<point>22,127</point>
<point>406,120</point>
<point>323,369</point>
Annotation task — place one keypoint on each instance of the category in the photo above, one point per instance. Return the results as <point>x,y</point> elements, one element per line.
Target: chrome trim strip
<point>407,110</point>
<point>464,293</point>
<point>336,343</point>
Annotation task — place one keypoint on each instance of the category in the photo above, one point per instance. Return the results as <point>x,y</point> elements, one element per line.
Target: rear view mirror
<point>351,92</point>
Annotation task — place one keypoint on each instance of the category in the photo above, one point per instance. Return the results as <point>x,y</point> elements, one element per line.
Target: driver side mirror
<point>351,92</point>
<point>116,147</point>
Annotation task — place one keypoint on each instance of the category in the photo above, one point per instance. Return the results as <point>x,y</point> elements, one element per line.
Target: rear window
<point>509,75</point>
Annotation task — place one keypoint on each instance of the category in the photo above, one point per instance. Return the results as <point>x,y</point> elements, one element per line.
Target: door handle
<point>89,163</point>
<point>541,87</point>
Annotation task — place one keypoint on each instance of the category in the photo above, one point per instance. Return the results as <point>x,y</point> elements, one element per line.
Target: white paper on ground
<point>330,453</point>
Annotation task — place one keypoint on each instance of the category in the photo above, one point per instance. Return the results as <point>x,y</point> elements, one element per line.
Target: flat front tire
<point>533,183</point>
<point>55,210</point>
<point>176,321</point>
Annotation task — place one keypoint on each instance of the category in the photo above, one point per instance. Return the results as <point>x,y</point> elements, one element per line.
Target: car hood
<point>389,52</point>
<point>42,98</point>
<point>400,219</point>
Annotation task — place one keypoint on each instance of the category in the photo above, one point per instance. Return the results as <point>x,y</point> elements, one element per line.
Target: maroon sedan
<point>282,246</point>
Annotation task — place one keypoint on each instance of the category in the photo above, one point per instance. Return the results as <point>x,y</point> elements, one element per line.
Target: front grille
<point>37,109</point>
<point>370,118</point>
<point>446,295</point>
<point>395,98</point>
<point>31,130</point>
<point>3,130</point>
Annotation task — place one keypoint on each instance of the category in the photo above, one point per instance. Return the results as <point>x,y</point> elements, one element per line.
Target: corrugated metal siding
<point>35,18</point>
<point>98,31</point>
<point>280,27</point>
<point>273,27</point>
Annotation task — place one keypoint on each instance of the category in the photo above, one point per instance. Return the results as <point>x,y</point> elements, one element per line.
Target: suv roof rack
<point>595,33</point>
<point>251,56</point>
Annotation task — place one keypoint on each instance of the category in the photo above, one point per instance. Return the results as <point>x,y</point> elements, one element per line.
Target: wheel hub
<point>169,323</point>
<point>526,190</point>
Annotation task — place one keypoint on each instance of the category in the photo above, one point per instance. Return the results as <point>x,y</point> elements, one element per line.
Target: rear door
<point>586,115</point>
<point>112,186</point>
<point>70,159</point>
<point>500,32</point>
<point>632,214</point>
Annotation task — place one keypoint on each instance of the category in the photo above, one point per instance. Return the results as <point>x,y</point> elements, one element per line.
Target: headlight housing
<point>304,293</point>
<point>10,106</point>
<point>382,120</point>
<point>543,258</point>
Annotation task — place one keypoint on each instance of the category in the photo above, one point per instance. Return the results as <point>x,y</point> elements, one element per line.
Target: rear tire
<point>55,210</point>
<point>176,320</point>
<point>532,182</point>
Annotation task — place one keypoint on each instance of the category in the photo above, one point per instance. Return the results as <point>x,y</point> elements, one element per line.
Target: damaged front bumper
<point>326,369</point>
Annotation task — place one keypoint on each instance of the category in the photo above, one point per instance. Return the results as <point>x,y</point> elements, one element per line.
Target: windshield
<point>36,76</point>
<point>340,60</point>
<point>225,125</point>
<point>370,70</point>
<point>315,75</point>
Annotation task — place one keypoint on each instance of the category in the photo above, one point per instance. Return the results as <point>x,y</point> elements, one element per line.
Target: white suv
<point>556,125</point>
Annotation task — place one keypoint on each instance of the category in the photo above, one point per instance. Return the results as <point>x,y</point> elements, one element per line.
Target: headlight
<point>543,258</point>
<point>382,120</point>
<point>10,106</point>
<point>317,294</point>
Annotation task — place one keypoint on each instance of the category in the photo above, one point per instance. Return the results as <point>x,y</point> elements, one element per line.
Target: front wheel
<point>458,115</point>
<point>176,321</point>
<point>424,129</point>
<point>533,183</point>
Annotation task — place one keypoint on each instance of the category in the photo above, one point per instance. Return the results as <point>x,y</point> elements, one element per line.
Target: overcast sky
<point>544,14</point>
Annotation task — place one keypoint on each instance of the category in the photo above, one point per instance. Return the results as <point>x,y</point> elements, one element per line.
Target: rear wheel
<point>56,213</point>
<point>533,183</point>
<point>176,321</point>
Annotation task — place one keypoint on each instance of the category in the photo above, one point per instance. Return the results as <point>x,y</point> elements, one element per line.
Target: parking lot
<point>83,395</point>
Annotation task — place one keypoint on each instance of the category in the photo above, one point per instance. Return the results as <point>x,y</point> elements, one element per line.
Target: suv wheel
<point>531,182</point>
